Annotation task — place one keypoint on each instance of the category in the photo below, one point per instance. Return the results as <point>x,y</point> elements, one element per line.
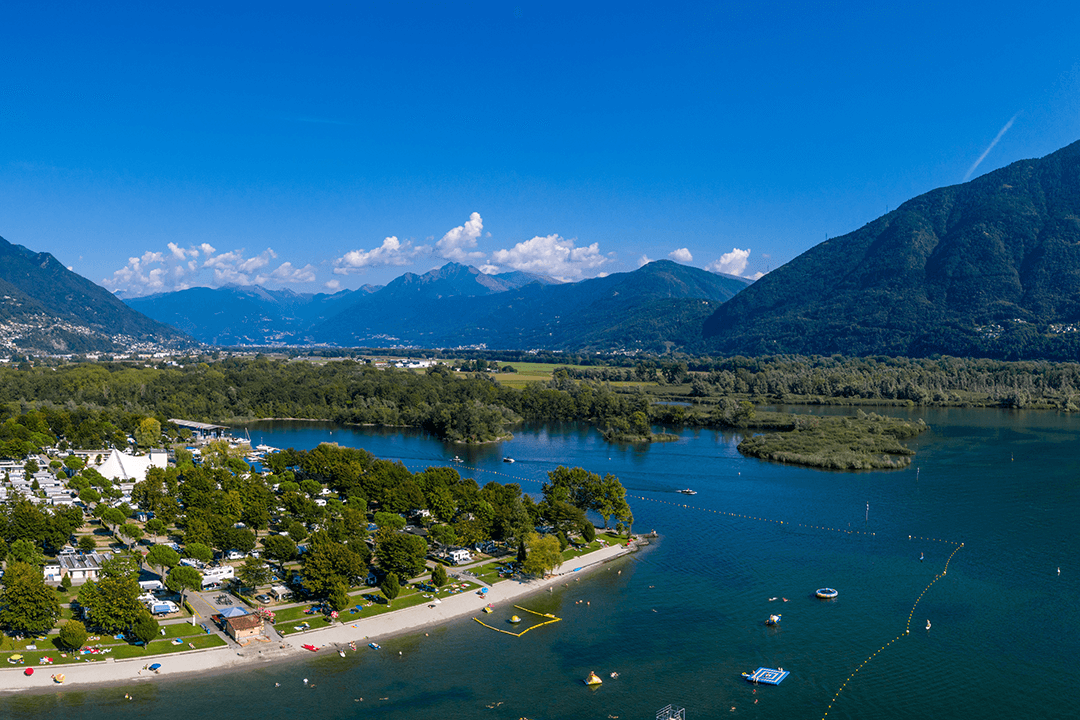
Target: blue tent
<point>233,612</point>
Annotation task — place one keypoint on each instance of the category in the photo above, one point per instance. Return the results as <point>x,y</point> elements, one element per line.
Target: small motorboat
<point>773,620</point>
<point>374,646</point>
<point>826,593</point>
<point>341,653</point>
<point>456,459</point>
<point>508,459</point>
<point>688,491</point>
<point>593,679</point>
<point>515,620</point>
<point>312,648</point>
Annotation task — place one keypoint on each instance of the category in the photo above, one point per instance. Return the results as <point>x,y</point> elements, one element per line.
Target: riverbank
<point>112,672</point>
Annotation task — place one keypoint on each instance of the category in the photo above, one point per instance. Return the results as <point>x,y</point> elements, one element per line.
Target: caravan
<point>217,575</point>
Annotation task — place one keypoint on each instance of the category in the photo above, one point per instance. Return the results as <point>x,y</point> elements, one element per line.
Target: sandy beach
<point>130,671</point>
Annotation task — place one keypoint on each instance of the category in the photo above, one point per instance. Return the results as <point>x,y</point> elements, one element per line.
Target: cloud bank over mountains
<point>180,268</point>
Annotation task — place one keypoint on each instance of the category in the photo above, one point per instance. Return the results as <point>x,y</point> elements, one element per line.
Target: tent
<point>155,666</point>
<point>28,671</point>
<point>233,612</point>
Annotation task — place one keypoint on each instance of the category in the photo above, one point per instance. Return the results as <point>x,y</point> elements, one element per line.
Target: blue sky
<point>323,146</point>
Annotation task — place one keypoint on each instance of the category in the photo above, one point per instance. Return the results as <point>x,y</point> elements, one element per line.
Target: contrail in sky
<point>991,147</point>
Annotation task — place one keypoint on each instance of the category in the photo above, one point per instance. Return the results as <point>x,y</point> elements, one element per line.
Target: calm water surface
<point>684,618</point>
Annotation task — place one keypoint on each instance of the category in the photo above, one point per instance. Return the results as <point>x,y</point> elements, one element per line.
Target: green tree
<point>113,599</point>
<point>543,554</point>
<point>401,553</point>
<point>588,532</point>
<point>148,433</point>
<point>24,551</point>
<point>156,527</point>
<point>162,557</point>
<point>72,635</point>
<point>339,597</point>
<point>280,549</point>
<point>87,543</point>
<point>438,576</point>
<point>443,534</point>
<point>390,586</point>
<point>113,518</point>
<point>145,627</point>
<point>183,578</point>
<point>131,532</point>
<point>329,563</point>
<point>27,604</point>
<point>198,551</point>
<point>390,521</point>
<point>253,572</point>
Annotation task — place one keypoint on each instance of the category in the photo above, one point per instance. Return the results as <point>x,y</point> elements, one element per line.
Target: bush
<point>438,576</point>
<point>564,542</point>
<point>588,532</point>
<point>145,628</point>
<point>339,597</point>
<point>390,587</point>
<point>72,634</point>
<point>65,583</point>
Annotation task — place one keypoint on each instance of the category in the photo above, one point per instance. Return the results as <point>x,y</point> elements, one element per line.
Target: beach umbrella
<point>17,656</point>
<point>28,671</point>
<point>155,666</point>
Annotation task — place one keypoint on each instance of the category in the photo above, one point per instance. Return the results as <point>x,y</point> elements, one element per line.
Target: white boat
<point>688,491</point>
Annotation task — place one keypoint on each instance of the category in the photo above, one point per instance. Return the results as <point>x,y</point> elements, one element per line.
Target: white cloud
<point>332,285</point>
<point>681,255</point>
<point>551,255</point>
<point>391,252</point>
<point>455,244</point>
<point>489,269</point>
<point>286,273</point>
<point>732,263</point>
<point>154,272</point>
<point>643,261</point>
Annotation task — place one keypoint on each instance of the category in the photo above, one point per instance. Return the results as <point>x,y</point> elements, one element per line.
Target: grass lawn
<point>489,572</point>
<point>610,538</point>
<point>115,648</point>
<point>287,621</point>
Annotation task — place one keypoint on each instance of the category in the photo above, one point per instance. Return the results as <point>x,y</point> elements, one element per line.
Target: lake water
<point>684,618</point>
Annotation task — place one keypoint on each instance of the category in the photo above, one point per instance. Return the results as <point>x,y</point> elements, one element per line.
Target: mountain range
<point>658,304</point>
<point>45,307</point>
<point>989,268</point>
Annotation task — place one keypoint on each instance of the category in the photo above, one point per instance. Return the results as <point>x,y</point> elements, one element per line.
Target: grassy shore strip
<point>191,638</point>
<point>126,670</point>
<point>862,442</point>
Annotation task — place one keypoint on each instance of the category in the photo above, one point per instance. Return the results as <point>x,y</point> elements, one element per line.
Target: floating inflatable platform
<point>769,676</point>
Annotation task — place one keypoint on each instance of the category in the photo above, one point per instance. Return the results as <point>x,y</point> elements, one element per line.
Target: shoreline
<point>115,673</point>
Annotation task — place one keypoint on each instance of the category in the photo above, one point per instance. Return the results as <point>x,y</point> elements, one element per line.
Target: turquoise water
<point>680,621</point>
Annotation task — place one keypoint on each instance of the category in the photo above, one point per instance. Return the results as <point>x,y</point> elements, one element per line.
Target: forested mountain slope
<point>990,268</point>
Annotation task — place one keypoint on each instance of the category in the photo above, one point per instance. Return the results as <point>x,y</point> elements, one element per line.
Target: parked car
<point>264,599</point>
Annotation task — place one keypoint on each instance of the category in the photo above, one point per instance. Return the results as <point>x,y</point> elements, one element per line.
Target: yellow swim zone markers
<point>552,619</point>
